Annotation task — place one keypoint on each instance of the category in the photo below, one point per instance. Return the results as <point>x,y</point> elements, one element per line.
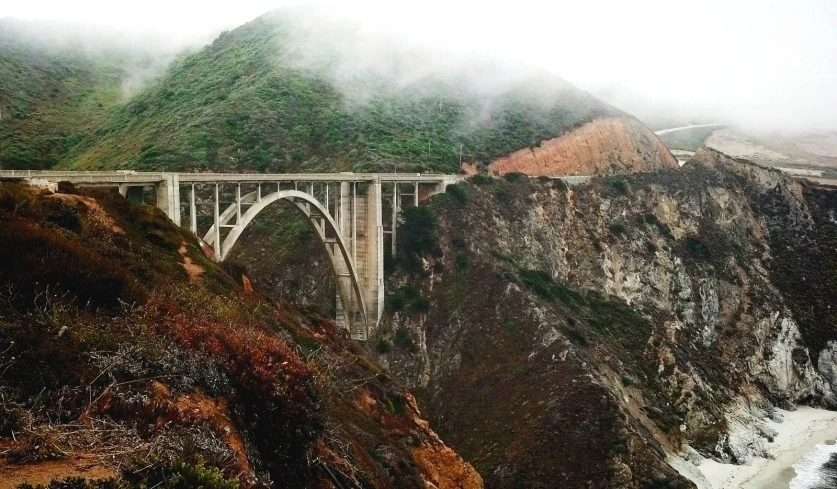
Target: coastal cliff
<point>588,333</point>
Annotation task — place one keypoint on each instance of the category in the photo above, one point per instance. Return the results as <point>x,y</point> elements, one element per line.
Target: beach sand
<point>798,434</point>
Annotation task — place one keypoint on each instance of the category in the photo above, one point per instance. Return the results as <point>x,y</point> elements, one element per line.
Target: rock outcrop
<point>609,324</point>
<point>606,145</point>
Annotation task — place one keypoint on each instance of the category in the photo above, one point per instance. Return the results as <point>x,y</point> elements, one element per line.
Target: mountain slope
<point>49,98</point>
<point>60,81</point>
<point>126,354</point>
<point>282,93</point>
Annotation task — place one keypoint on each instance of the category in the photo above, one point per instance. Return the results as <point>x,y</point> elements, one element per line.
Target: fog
<point>766,65</point>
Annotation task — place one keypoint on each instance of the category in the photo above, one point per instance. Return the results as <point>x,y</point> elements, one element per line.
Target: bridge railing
<point>91,176</point>
<point>153,177</point>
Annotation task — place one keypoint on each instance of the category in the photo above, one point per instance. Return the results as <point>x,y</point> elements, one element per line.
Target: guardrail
<point>155,177</point>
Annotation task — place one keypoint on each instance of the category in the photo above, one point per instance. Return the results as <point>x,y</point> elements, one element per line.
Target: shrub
<point>73,483</point>
<point>560,185</point>
<point>653,220</point>
<point>502,194</point>
<point>502,257</point>
<point>620,185</point>
<point>481,179</point>
<point>698,248</point>
<point>461,261</point>
<point>418,233</point>
<point>418,236</point>
<point>408,296</point>
<point>383,346</point>
<point>543,285</point>
<point>274,383</point>
<point>402,339</point>
<point>420,304</point>
<point>617,228</point>
<point>396,302</point>
<point>457,192</point>
<point>516,176</point>
<point>172,475</point>
<point>650,219</point>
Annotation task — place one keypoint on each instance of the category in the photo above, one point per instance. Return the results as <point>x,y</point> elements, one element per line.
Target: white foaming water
<point>808,469</point>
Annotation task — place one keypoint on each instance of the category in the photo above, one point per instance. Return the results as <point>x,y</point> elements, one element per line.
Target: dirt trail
<point>194,271</point>
<point>43,472</point>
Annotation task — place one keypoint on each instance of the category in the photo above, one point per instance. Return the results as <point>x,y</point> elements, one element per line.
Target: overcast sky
<point>771,64</point>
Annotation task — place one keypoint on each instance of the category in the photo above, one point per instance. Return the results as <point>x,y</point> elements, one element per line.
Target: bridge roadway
<point>152,178</point>
<point>345,209</point>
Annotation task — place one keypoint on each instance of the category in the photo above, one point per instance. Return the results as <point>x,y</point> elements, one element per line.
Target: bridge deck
<point>111,177</point>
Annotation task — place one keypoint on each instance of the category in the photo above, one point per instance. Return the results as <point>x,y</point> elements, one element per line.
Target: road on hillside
<point>683,128</point>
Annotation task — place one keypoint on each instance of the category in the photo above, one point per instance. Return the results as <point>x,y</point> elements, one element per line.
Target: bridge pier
<point>167,192</point>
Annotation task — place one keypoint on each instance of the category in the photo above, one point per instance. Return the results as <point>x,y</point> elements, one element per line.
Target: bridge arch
<point>328,233</point>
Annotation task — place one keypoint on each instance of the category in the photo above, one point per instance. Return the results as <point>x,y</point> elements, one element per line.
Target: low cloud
<point>766,64</point>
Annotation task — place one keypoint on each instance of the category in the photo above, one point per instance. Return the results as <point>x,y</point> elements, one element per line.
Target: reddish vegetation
<point>253,355</point>
<point>603,146</point>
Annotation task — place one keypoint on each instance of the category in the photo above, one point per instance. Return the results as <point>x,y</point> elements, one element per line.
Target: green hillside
<point>49,98</point>
<point>260,98</point>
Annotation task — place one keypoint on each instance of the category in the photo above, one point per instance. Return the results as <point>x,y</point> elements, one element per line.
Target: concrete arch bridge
<point>351,214</point>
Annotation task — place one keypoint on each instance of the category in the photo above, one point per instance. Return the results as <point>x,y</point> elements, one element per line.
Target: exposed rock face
<point>603,146</point>
<point>580,335</point>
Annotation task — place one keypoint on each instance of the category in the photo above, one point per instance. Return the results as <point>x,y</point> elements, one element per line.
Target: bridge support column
<point>343,205</point>
<point>193,212</point>
<point>168,196</point>
<point>217,219</point>
<point>374,253</point>
<point>396,210</point>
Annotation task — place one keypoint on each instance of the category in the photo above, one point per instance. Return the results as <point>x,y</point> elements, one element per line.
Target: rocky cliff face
<point>576,337</point>
<point>606,145</point>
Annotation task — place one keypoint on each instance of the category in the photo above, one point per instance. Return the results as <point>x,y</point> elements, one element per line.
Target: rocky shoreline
<point>774,446</point>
